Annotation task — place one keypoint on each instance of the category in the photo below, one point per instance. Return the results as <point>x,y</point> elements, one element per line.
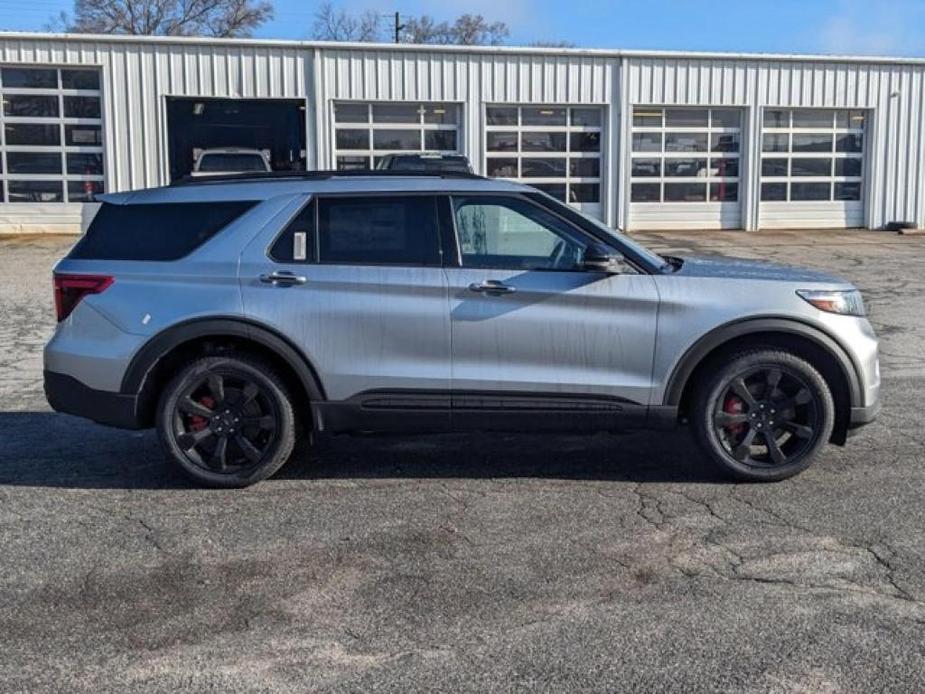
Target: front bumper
<point>861,416</point>
<point>68,395</point>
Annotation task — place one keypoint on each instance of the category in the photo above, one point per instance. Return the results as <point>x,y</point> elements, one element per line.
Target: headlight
<point>847,303</point>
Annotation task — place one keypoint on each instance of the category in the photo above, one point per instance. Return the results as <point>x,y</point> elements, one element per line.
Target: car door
<point>532,330</point>
<point>355,281</point>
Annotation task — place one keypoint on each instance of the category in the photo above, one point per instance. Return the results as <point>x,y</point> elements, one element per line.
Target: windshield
<point>232,162</point>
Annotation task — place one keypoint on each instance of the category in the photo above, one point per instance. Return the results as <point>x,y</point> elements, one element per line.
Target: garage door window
<point>51,144</point>
<point>812,155</point>
<point>365,132</point>
<point>556,149</point>
<point>685,155</point>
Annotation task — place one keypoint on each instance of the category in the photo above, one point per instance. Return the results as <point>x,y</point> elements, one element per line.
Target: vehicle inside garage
<point>275,127</point>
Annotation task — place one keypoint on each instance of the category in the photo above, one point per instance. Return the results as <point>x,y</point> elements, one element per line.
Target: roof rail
<point>259,176</point>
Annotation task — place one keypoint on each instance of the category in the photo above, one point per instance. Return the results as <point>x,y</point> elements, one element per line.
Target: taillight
<point>70,289</point>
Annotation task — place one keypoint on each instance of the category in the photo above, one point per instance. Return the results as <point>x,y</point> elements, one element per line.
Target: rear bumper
<point>68,395</point>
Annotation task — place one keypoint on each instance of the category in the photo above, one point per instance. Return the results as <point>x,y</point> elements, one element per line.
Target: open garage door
<point>273,126</point>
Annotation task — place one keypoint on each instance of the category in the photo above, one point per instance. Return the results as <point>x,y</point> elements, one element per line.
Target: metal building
<point>643,140</point>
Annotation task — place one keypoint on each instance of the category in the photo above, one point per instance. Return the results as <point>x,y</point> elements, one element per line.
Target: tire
<point>785,401</point>
<point>237,399</point>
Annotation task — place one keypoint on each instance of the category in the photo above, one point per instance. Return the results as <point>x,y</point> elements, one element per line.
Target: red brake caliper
<point>734,405</point>
<point>197,423</point>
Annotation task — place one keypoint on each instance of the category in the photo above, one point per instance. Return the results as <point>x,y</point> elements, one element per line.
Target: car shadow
<point>46,449</point>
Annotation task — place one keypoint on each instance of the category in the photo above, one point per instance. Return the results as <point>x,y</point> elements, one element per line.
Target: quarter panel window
<point>296,244</point>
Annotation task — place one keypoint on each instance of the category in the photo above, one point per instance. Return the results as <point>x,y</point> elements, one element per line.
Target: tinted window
<point>232,162</point>
<point>30,78</point>
<point>164,231</point>
<point>372,230</point>
<point>80,79</point>
<point>297,242</point>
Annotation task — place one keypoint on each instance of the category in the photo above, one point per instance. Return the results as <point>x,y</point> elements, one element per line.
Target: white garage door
<point>812,168</point>
<point>556,149</point>
<point>364,132</point>
<point>684,169</point>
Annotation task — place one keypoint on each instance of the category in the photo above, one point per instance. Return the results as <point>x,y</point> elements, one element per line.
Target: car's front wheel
<point>227,421</point>
<point>763,414</point>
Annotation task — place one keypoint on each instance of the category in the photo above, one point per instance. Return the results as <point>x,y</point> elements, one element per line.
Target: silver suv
<point>236,313</point>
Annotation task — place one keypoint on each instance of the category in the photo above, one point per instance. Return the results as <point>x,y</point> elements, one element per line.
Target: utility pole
<point>398,27</point>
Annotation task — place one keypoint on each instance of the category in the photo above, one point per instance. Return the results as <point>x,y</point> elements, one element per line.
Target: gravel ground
<point>468,563</point>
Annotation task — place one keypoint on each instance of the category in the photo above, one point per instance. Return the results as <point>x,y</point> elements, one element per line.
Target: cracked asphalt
<point>468,563</point>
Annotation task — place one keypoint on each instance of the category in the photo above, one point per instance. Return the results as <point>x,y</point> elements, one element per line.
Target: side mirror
<point>600,258</point>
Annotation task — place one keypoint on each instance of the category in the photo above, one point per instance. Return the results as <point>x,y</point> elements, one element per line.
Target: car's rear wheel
<point>763,414</point>
<point>227,421</point>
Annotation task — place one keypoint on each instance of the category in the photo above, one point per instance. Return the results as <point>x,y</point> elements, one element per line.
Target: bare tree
<point>219,18</point>
<point>332,24</point>
<point>474,30</point>
<point>425,29</point>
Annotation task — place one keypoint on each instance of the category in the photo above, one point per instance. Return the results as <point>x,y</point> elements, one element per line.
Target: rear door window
<point>161,231</point>
<point>393,230</point>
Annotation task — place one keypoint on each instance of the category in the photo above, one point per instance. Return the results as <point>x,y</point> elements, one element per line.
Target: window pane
<point>542,168</point>
<point>556,190</point>
<point>501,142</point>
<point>158,231</point>
<point>773,191</point>
<point>511,233</point>
<point>34,191</point>
<point>352,163</point>
<point>542,142</point>
<point>586,117</point>
<point>352,139</point>
<point>396,113</point>
<point>774,118</point>
<point>647,142</point>
<point>848,167</point>
<point>647,117</point>
<point>83,135</point>
<point>685,142</point>
<point>29,106</point>
<point>849,143</point>
<point>685,167</point>
<point>647,167</point>
<point>685,192</point>
<point>89,164</point>
<point>29,78</point>
<point>726,118</point>
<point>83,191</point>
<point>397,139</point>
<point>645,192</point>
<point>81,107</point>
<point>394,230</point>
<point>724,168</point>
<point>32,134</point>
<point>80,79</point>
<point>543,116</point>
<point>584,168</point>
<point>585,192</point>
<point>724,192</point>
<point>812,142</point>
<point>850,119</point>
<point>440,113</point>
<point>33,162</point>
<point>775,142</point>
<point>724,142</point>
<point>501,115</point>
<point>297,242</point>
<point>809,118</point>
<point>441,140</point>
<point>585,142</point>
<point>773,167</point>
<point>686,118</point>
<point>811,167</point>
<point>351,113</point>
<point>848,190</point>
<point>501,167</point>
<point>810,191</point>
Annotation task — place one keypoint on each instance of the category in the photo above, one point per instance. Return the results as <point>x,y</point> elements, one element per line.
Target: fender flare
<point>153,350</point>
<point>724,333</point>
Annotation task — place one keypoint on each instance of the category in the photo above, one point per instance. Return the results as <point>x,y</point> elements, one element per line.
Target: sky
<point>862,27</point>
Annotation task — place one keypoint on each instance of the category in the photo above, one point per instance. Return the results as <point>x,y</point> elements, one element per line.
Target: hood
<point>739,268</point>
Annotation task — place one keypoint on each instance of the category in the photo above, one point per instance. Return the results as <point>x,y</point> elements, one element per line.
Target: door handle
<point>492,288</point>
<point>282,278</point>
